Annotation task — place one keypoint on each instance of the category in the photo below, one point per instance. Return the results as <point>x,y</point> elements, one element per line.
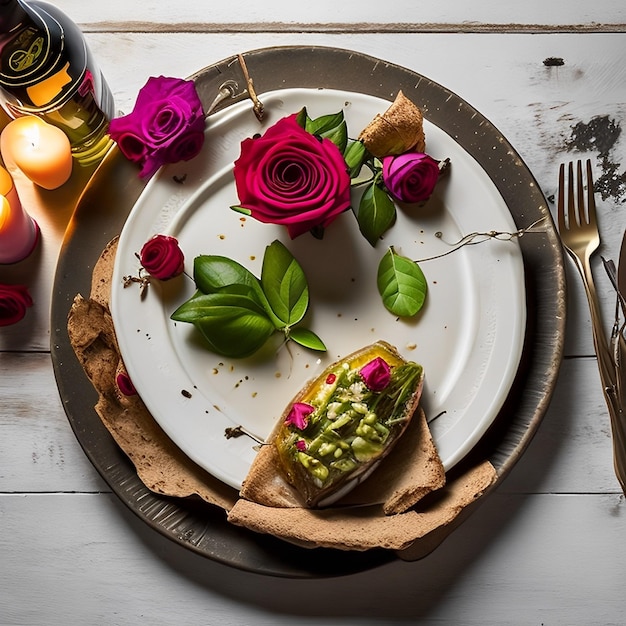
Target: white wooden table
<point>548,547</point>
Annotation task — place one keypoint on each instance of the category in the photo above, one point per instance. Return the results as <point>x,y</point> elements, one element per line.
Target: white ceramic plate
<point>468,337</point>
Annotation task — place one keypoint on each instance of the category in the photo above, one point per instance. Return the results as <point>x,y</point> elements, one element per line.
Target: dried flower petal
<point>298,415</point>
<point>376,374</point>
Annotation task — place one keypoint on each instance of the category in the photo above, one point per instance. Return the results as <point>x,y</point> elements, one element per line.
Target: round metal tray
<point>112,192</point>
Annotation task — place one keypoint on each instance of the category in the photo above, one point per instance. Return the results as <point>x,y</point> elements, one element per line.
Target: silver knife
<point>621,275</point>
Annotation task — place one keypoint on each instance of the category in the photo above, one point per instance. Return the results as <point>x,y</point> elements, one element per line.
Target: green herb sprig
<point>236,312</point>
<point>401,283</point>
<point>376,212</point>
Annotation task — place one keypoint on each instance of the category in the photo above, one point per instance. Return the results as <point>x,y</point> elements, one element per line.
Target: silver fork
<point>578,228</point>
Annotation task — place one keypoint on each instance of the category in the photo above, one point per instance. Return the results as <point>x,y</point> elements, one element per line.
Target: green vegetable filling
<point>351,424</point>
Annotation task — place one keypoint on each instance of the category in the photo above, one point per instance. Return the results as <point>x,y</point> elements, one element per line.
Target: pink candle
<point>19,233</point>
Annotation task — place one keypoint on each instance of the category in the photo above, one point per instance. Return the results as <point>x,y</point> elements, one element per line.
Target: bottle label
<point>31,55</point>
<point>23,60</point>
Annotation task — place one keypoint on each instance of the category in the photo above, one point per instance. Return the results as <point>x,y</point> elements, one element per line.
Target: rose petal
<point>410,177</point>
<point>186,147</point>
<point>162,257</point>
<point>298,415</point>
<point>163,125</point>
<point>290,177</point>
<point>14,300</point>
<point>376,374</point>
<point>132,147</point>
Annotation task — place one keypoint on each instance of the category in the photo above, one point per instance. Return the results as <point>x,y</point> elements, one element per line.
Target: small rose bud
<point>410,177</point>
<point>162,258</point>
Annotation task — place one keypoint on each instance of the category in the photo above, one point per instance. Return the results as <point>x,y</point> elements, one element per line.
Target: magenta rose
<point>165,126</point>
<point>410,177</point>
<point>162,257</point>
<point>14,300</point>
<point>290,177</point>
<point>298,415</point>
<point>376,374</point>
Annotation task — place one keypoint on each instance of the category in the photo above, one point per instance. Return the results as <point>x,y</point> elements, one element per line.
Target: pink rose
<point>165,126</point>
<point>410,177</point>
<point>14,300</point>
<point>376,374</point>
<point>288,176</point>
<point>298,415</point>
<point>162,257</point>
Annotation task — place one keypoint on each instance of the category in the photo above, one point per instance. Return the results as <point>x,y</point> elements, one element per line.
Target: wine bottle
<point>47,69</point>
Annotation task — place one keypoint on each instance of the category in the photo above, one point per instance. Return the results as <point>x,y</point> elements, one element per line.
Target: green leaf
<point>284,284</point>
<point>339,136</point>
<point>332,126</point>
<point>401,284</point>
<point>236,312</point>
<point>302,117</point>
<point>213,272</point>
<point>236,337</point>
<point>215,305</point>
<point>377,213</point>
<point>307,338</point>
<point>241,209</point>
<point>324,124</point>
<point>355,156</point>
<point>233,324</point>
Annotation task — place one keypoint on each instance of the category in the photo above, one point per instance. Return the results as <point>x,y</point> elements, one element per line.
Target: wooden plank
<point>83,559</point>
<point>38,448</point>
<point>348,16</point>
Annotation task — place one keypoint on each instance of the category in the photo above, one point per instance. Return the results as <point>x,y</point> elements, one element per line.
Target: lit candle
<point>19,233</point>
<point>40,150</point>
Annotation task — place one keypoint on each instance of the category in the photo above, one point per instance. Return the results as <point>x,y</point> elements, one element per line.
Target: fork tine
<point>591,201</point>
<point>580,193</point>
<point>571,205</point>
<point>561,200</point>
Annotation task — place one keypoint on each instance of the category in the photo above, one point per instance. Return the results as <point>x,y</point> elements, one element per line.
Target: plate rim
<point>545,280</point>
